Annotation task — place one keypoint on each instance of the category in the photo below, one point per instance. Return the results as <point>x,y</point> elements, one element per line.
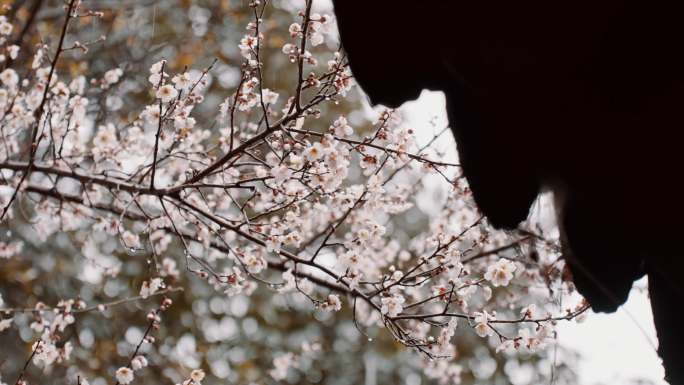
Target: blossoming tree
<point>144,195</point>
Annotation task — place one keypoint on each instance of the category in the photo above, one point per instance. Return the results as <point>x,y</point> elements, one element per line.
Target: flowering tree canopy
<point>184,209</point>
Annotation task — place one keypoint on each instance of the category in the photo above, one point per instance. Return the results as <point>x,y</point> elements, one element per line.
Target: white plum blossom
<point>156,74</point>
<point>105,139</point>
<point>332,303</point>
<point>318,26</point>
<point>9,78</point>
<point>235,282</point>
<point>46,351</point>
<point>111,77</point>
<point>351,260</point>
<point>500,273</point>
<point>150,287</point>
<point>533,340</point>
<point>184,123</point>
<point>152,113</point>
<point>5,27</point>
<point>482,327</point>
<point>254,263</point>
<point>62,320</point>
<point>392,305</point>
<point>341,128</point>
<point>269,97</point>
<point>138,362</point>
<point>124,375</point>
<point>197,375</point>
<point>9,250</point>
<point>314,152</point>
<point>291,50</point>
<point>13,51</point>
<point>273,244</point>
<point>281,173</point>
<point>248,97</point>
<point>295,29</point>
<point>130,239</point>
<point>167,93</point>
<point>248,46</point>
<point>317,39</point>
<point>182,81</point>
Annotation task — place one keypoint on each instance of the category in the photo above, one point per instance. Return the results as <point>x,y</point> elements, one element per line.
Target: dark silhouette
<point>584,97</point>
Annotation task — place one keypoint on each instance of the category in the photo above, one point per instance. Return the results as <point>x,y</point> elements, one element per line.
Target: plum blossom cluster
<point>126,374</point>
<point>314,29</point>
<point>273,195</point>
